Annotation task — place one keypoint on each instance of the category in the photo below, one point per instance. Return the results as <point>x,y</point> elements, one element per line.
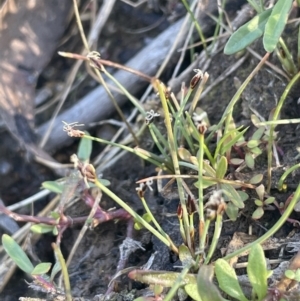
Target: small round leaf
<point>258,213</point>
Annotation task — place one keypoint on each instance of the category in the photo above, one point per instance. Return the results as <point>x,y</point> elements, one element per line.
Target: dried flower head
<point>143,187</point>
<point>141,190</point>
<point>71,131</point>
<point>196,78</point>
<point>199,122</point>
<point>87,170</point>
<point>150,115</point>
<point>215,205</point>
<point>94,59</point>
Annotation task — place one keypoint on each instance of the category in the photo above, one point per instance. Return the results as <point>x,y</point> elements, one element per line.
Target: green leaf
<point>53,186</point>
<point>256,179</point>
<point>206,288</point>
<point>255,120</point>
<point>184,154</point>
<point>157,289</point>
<point>185,255</point>
<point>55,215</point>
<point>290,274</point>
<point>249,160</point>
<point>41,268</point>
<point>258,202</point>
<point>209,171</point>
<point>269,200</point>
<point>206,183</point>
<point>232,211</point>
<point>104,182</point>
<point>147,217</point>
<point>192,290</point>
<point>253,143</point>
<point>257,271</point>
<point>55,231</point>
<point>256,151</point>
<point>228,281</point>
<point>221,168</point>
<point>41,228</point>
<point>258,213</point>
<point>260,190</point>
<point>243,195</point>
<point>16,253</point>
<point>247,33</point>
<point>236,161</point>
<point>297,275</point>
<point>233,195</point>
<point>137,226</point>
<point>258,133</point>
<point>85,149</point>
<point>56,268</point>
<point>230,139</point>
<point>276,23</point>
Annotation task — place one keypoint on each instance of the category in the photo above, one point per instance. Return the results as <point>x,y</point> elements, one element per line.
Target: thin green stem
<point>285,174</point>
<point>272,127</point>
<point>178,283</point>
<point>153,219</point>
<point>200,183</point>
<point>215,239</point>
<point>254,5</point>
<point>137,217</point>
<point>203,237</point>
<point>64,271</point>
<point>286,59</point>
<point>133,100</point>
<point>228,111</point>
<point>197,25</point>
<point>173,151</point>
<point>155,136</point>
<point>80,27</point>
<point>150,157</point>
